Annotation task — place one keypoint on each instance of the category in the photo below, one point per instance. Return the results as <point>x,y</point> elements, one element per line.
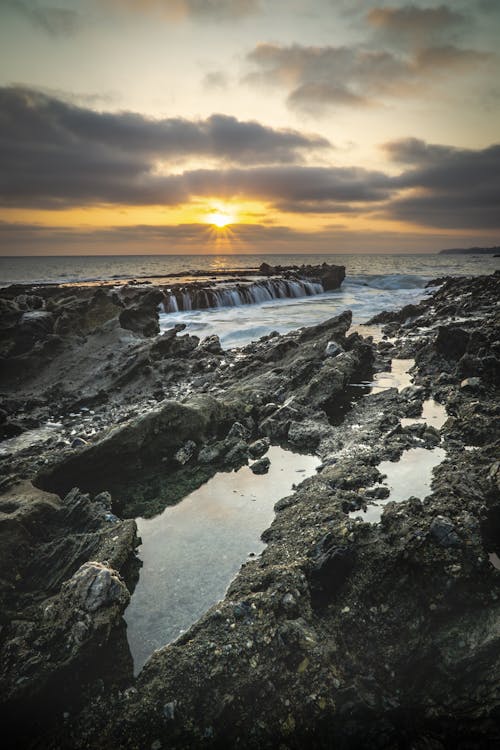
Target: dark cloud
<point>447,187</point>
<point>412,20</point>
<point>56,153</point>
<point>447,57</point>
<point>415,151</point>
<point>54,21</point>
<point>298,184</point>
<point>204,9</point>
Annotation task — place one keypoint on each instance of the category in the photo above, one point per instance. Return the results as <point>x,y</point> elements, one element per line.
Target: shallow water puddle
<point>410,476</point>
<point>433,414</point>
<point>193,550</point>
<point>399,376</point>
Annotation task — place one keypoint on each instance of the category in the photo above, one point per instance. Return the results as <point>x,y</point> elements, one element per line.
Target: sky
<point>248,126</point>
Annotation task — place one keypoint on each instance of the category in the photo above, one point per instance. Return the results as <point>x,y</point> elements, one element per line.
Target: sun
<point>219,219</point>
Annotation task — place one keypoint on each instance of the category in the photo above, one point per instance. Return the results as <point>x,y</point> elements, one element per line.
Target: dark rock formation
<point>330,277</point>
<point>342,633</point>
<point>60,589</point>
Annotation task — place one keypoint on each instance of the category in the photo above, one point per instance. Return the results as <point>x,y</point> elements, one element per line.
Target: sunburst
<point>219,219</point>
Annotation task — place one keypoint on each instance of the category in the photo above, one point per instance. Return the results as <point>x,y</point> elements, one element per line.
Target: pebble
<point>169,710</point>
<point>78,442</point>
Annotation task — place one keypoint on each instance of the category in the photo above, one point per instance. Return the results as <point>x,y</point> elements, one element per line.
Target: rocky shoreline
<point>342,633</point>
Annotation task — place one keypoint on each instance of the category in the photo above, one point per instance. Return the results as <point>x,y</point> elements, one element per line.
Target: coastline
<point>356,629</point>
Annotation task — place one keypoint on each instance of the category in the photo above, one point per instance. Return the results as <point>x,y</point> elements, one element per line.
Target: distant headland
<point>470,251</point>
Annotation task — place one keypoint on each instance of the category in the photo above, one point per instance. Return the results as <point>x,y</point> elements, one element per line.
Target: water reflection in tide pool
<point>410,476</point>
<point>193,550</point>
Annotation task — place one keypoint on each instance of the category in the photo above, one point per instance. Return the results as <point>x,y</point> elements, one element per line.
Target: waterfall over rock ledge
<point>241,293</point>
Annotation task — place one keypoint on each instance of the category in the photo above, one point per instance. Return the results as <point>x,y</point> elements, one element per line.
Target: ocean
<point>373,283</point>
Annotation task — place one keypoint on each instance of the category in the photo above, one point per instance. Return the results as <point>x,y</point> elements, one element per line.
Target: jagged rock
<point>185,453</point>
<point>142,316</point>
<point>451,342</point>
<point>261,466</point>
<point>212,345</point>
<point>210,453</point>
<point>94,587</point>
<point>238,431</point>
<point>258,448</point>
<point>58,550</point>
<point>333,349</point>
<point>443,531</point>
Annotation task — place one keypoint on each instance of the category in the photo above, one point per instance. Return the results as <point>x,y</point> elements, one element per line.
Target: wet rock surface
<point>342,633</point>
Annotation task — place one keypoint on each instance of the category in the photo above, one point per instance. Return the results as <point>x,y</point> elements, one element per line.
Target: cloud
<point>205,9</point>
<point>56,153</point>
<point>215,80</point>
<point>317,94</point>
<point>432,60</point>
<point>296,184</point>
<point>52,20</point>
<point>405,51</point>
<point>446,187</point>
<point>324,77</point>
<point>415,151</point>
<point>414,21</point>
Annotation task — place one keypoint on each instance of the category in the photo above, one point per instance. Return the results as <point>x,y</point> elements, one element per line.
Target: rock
<point>443,531</point>
<point>210,453</point>
<point>330,276</point>
<point>306,434</point>
<point>331,565</point>
<point>254,671</point>
<point>451,342</point>
<point>378,493</point>
<point>333,349</point>
<point>398,316</point>
<point>261,466</point>
<point>289,603</point>
<point>78,442</point>
<point>258,447</point>
<point>237,452</point>
<point>185,453</point>
<point>74,604</point>
<point>141,316</point>
<point>169,710</point>
<point>471,383</point>
<point>95,586</point>
<point>238,431</point>
<point>212,345</point>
